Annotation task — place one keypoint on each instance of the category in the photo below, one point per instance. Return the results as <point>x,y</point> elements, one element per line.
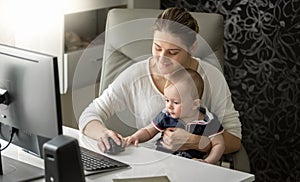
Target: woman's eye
<point>157,49</point>
<point>173,52</point>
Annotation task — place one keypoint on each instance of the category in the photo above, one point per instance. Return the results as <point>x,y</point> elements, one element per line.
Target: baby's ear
<point>196,104</point>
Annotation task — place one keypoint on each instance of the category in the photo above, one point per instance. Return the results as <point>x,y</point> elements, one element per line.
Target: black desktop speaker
<point>62,160</point>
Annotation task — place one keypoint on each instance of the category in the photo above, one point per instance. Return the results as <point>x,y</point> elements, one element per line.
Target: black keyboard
<point>96,163</point>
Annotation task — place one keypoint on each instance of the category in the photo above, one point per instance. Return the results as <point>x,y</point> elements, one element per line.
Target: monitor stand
<point>14,170</point>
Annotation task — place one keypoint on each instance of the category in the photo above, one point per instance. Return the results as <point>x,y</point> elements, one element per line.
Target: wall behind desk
<point>262,63</point>
<point>75,101</point>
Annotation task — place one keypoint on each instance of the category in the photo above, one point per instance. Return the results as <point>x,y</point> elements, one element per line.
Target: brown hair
<point>190,77</point>
<point>180,22</point>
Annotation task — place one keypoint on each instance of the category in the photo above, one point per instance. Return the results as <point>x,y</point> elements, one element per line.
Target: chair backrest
<point>129,36</point>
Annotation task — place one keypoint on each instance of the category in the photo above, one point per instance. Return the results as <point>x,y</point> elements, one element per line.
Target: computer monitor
<point>29,102</point>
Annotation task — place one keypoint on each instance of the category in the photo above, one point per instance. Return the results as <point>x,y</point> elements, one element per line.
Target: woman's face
<point>169,52</point>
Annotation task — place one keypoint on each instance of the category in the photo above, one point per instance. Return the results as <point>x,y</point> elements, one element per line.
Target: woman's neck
<point>159,79</point>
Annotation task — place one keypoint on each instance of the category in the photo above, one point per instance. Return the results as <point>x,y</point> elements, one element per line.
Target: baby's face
<point>179,102</point>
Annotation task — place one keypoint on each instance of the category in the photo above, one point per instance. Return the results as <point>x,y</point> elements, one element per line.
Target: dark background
<point>262,68</point>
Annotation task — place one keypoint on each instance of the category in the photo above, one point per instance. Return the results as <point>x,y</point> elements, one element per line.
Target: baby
<point>183,91</point>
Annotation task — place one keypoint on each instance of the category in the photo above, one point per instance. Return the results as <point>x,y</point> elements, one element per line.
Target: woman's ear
<point>193,48</point>
<point>196,103</point>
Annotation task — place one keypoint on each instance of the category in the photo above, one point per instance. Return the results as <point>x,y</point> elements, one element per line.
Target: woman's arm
<point>232,143</point>
<point>179,139</point>
<point>113,99</point>
<point>176,138</point>
<point>94,130</point>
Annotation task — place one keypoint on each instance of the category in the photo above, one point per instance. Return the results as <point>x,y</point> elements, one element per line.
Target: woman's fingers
<point>103,142</point>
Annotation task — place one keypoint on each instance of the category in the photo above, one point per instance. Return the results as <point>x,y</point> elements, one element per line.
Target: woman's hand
<point>175,139</point>
<point>103,142</point>
<point>178,139</point>
<point>97,131</point>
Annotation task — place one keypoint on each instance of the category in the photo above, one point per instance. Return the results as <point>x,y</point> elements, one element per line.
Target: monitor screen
<point>29,98</point>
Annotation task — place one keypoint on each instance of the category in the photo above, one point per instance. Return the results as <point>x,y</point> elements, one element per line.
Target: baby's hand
<point>131,140</point>
<point>201,160</point>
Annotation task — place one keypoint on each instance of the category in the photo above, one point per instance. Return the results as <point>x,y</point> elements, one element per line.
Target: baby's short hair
<point>190,77</point>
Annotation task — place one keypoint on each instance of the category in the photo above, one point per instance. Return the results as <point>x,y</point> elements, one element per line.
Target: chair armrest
<point>238,160</point>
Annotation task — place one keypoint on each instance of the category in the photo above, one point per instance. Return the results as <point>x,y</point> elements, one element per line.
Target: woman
<point>140,88</point>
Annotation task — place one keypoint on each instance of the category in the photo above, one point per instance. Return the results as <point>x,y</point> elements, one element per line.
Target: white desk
<point>145,162</point>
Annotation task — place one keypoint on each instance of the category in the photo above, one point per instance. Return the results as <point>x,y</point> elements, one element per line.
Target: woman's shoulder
<point>209,71</point>
<point>208,67</point>
<point>138,67</point>
<point>132,72</point>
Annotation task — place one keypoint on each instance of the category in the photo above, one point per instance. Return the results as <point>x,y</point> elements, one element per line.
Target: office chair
<point>128,39</point>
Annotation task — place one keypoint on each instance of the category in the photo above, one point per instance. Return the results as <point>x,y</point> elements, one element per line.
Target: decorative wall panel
<point>262,67</point>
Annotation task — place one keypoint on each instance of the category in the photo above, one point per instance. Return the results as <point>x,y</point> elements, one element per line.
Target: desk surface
<point>144,162</point>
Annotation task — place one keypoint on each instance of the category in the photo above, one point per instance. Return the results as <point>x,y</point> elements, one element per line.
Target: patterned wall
<point>262,67</point>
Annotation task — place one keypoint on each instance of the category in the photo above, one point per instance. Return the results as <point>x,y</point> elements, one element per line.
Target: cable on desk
<point>13,131</point>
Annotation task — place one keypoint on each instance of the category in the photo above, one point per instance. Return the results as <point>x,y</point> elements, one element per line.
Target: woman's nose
<point>162,55</point>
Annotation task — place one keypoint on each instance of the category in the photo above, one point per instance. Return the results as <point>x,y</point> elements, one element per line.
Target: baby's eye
<point>167,100</point>
<point>176,102</point>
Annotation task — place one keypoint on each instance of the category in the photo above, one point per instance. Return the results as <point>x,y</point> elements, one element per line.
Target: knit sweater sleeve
<point>116,98</point>
<point>217,98</point>
<point>132,93</point>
